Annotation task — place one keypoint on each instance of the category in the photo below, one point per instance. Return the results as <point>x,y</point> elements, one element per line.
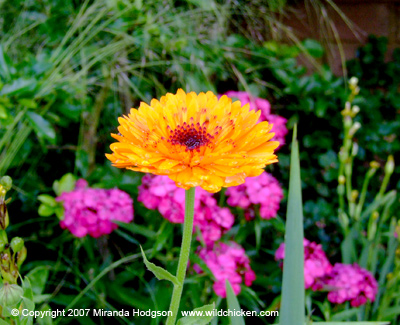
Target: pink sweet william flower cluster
<point>263,190</point>
<point>316,264</point>
<point>227,262</point>
<point>256,103</point>
<point>161,193</point>
<point>352,283</point>
<point>91,211</point>
<point>345,282</point>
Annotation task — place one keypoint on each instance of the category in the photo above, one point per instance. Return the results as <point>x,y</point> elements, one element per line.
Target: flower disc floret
<point>195,139</point>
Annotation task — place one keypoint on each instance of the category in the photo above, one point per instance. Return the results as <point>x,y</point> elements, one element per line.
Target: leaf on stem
<point>200,316</point>
<point>159,272</point>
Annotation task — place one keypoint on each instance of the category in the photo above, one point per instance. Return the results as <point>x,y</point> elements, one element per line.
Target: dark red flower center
<point>190,135</point>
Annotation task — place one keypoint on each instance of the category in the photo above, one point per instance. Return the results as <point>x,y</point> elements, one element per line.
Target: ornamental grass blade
<point>159,272</point>
<point>233,305</point>
<point>292,305</point>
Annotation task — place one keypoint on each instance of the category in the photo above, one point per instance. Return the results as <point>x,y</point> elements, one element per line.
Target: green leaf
<point>47,199</point>
<point>293,292</point>
<point>28,103</point>
<point>206,5</point>
<point>5,64</point>
<point>348,249</point>
<point>46,320</point>
<point>38,299</point>
<point>3,112</point>
<point>42,127</point>
<point>345,314</point>
<point>19,87</point>
<point>28,304</point>
<point>199,317</point>
<point>38,277</point>
<point>391,312</point>
<point>65,184</point>
<point>137,229</point>
<point>26,285</point>
<point>314,48</point>
<point>233,304</point>
<point>45,210</point>
<point>159,272</point>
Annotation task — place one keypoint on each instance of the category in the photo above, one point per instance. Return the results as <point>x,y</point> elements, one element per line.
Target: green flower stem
<point>363,194</point>
<point>184,255</point>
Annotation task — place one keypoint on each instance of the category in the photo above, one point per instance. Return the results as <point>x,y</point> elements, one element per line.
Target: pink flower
<point>279,122</point>
<point>227,262</point>
<point>316,264</point>
<point>352,283</point>
<point>263,190</point>
<point>161,193</point>
<point>90,211</point>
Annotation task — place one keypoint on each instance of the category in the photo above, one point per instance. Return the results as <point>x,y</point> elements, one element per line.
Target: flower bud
<point>342,179</point>
<point>374,164</point>
<point>389,167</point>
<point>354,149</point>
<point>4,220</point>
<point>354,195</point>
<point>3,237</point>
<point>355,110</point>
<point>347,110</point>
<point>21,256</point>
<point>16,244</point>
<point>6,182</point>
<point>354,128</point>
<point>10,294</point>
<point>375,215</point>
<point>353,82</point>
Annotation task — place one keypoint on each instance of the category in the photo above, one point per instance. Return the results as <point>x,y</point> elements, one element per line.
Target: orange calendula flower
<point>195,139</point>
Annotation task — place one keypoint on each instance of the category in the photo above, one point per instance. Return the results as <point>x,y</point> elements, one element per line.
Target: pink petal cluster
<point>161,193</point>
<point>316,264</point>
<point>352,283</point>
<point>263,190</point>
<point>256,103</point>
<point>227,262</point>
<point>90,211</point>
<point>345,282</point>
